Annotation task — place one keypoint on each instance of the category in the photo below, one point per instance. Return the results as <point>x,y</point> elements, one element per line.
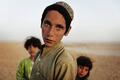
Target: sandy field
<point>106,59</point>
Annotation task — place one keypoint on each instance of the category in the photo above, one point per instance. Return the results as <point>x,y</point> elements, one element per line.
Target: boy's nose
<point>51,32</point>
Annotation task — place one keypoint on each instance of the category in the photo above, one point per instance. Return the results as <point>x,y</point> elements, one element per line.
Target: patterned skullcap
<point>67,7</point>
<point>64,9</point>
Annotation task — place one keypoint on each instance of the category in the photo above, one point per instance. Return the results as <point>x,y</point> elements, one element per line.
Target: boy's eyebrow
<point>60,26</point>
<point>47,22</point>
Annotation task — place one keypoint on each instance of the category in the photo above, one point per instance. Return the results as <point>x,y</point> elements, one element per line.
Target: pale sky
<point>94,20</point>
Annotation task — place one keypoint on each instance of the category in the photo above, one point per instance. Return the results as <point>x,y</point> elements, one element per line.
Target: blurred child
<point>33,46</point>
<point>84,65</point>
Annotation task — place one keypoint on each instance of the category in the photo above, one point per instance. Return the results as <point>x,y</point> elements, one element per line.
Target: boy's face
<point>32,50</point>
<point>53,28</point>
<point>82,71</point>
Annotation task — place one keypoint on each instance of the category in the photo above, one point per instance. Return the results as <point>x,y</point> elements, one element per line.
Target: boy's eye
<point>46,23</point>
<point>59,27</point>
<point>86,69</point>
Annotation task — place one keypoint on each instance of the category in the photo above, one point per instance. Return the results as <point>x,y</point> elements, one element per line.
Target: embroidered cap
<point>67,7</point>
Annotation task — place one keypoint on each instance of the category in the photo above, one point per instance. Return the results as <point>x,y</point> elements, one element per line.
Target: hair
<point>85,61</point>
<point>62,11</point>
<point>32,41</point>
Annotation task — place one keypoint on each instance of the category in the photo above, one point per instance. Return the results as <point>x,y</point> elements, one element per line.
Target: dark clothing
<point>78,78</point>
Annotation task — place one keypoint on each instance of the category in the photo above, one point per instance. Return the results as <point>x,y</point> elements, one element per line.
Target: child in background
<point>33,46</point>
<point>84,65</point>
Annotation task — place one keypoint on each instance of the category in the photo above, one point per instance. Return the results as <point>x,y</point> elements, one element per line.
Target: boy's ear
<point>68,31</point>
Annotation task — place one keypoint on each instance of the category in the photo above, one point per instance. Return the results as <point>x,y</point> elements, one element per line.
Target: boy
<point>55,62</point>
<point>33,46</point>
<point>84,66</point>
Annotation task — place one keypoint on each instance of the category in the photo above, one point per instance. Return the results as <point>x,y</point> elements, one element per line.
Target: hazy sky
<point>94,20</point>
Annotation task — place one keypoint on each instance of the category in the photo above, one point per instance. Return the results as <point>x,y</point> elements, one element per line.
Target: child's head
<point>84,66</point>
<point>32,45</point>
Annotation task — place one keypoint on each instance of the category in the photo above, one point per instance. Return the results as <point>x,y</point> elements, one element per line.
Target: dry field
<point>106,67</point>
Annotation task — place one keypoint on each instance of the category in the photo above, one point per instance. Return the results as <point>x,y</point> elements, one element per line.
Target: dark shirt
<point>78,78</point>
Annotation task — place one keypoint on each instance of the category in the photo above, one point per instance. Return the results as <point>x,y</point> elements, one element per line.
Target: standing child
<point>33,46</point>
<point>84,66</point>
<point>55,62</point>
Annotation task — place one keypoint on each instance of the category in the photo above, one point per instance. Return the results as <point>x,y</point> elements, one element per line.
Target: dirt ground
<point>106,67</point>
